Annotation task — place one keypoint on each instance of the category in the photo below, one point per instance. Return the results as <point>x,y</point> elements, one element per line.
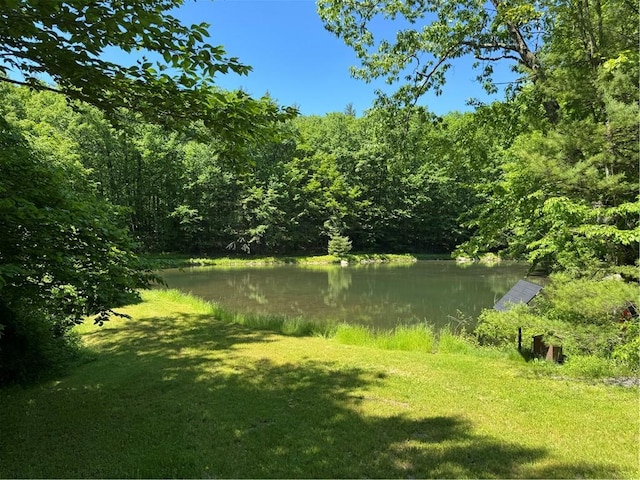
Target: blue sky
<point>299,62</point>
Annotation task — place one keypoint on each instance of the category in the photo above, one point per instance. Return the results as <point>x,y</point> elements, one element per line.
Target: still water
<point>380,296</point>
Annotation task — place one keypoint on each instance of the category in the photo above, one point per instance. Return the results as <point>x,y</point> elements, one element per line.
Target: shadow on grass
<point>176,398</point>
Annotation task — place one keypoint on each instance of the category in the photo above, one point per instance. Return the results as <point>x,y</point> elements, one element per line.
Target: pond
<point>378,295</point>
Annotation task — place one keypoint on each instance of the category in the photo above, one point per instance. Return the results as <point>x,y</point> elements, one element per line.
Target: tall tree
<point>430,34</point>
<point>567,197</point>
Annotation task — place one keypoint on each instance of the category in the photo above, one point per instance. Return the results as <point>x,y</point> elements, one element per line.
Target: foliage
<point>563,194</point>
<point>431,35</point>
<point>584,316</point>
<point>628,351</point>
<point>566,198</point>
<point>172,84</point>
<point>62,255</point>
<point>595,302</point>
<point>559,212</point>
<point>548,176</point>
<point>65,252</point>
<point>184,195</point>
<point>501,328</point>
<point>339,246</point>
<point>30,352</point>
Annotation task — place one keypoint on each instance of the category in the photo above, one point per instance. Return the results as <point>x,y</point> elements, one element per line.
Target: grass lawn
<point>173,392</point>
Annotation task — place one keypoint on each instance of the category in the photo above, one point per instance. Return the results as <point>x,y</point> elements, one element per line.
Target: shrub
<point>584,301</point>
<point>64,254</point>
<point>628,351</point>
<point>584,316</point>
<point>29,348</point>
<point>501,328</point>
<point>339,246</point>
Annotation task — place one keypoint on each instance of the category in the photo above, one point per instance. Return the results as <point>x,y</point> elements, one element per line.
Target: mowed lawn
<point>173,392</point>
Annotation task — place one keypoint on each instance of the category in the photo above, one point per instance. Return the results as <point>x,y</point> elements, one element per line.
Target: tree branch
<point>528,58</point>
<point>427,76</point>
<point>38,86</point>
<point>501,57</point>
<point>490,46</point>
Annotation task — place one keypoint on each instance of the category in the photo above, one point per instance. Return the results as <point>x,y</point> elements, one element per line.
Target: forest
<point>108,162</point>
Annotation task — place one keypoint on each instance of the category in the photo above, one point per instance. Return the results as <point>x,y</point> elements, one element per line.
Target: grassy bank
<point>171,260</point>
<point>176,392</point>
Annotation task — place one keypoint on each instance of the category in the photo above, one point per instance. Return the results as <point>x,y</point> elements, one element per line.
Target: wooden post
<point>520,339</point>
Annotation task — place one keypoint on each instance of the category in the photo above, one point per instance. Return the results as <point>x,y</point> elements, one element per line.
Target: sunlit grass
<point>418,338</point>
<point>170,298</point>
<point>161,261</point>
<point>450,342</point>
<point>275,323</point>
<point>353,335</point>
<point>179,390</point>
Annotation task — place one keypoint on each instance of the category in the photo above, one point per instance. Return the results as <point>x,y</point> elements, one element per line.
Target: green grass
<point>417,338</point>
<point>272,323</point>
<point>160,261</point>
<point>177,392</point>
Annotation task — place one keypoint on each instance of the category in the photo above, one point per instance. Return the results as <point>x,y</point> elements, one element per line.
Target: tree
<point>339,246</point>
<point>430,34</point>
<point>350,110</point>
<point>208,200</point>
<point>62,256</point>
<point>567,195</point>
<point>172,84</point>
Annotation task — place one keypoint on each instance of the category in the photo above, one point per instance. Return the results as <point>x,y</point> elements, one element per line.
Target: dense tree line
<point>565,194</point>
<point>502,179</point>
<point>389,185</point>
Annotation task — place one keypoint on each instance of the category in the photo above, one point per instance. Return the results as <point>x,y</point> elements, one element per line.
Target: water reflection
<point>381,296</point>
<point>338,281</point>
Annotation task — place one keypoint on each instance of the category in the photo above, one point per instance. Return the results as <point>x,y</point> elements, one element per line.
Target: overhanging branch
<point>38,86</point>
<point>427,76</point>
<point>489,45</point>
<point>501,57</point>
